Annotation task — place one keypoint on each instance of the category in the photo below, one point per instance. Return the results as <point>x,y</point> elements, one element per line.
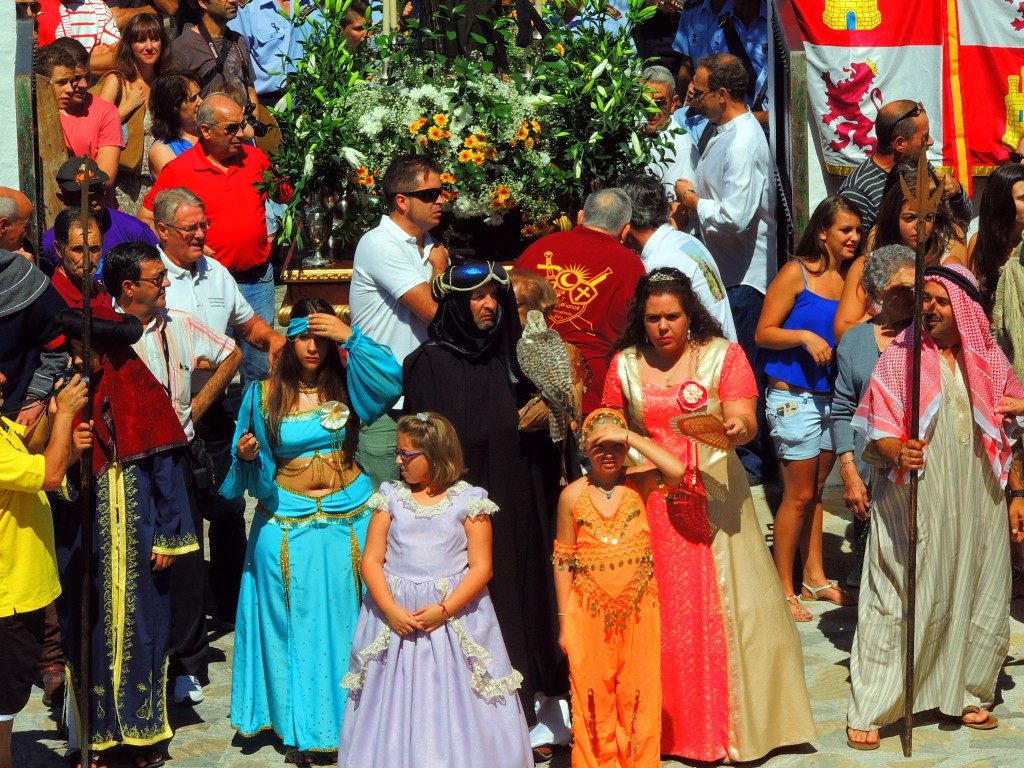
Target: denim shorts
<point>800,422</point>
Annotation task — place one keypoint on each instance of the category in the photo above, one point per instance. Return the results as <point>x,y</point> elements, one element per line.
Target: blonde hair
<point>533,291</point>
<point>433,434</point>
<point>600,416</point>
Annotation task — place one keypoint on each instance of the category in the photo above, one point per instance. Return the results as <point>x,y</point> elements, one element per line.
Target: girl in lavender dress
<point>430,682</point>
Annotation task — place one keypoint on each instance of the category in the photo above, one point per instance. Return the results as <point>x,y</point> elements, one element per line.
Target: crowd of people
<point>503,509</point>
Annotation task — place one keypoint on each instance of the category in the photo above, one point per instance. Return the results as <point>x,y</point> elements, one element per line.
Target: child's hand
<point>402,622</point>
<point>430,617</point>
<point>81,441</point>
<point>608,433</point>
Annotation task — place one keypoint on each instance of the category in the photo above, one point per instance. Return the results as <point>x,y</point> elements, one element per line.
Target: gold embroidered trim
<point>301,521</point>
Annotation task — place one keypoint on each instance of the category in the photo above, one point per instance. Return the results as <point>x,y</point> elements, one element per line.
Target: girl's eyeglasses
<point>406,456</point>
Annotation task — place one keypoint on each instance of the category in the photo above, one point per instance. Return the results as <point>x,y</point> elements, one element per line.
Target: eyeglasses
<point>192,228</point>
<point>406,456</point>
<point>426,195</point>
<point>1016,157</point>
<point>231,128</point>
<point>158,280</point>
<point>697,94</point>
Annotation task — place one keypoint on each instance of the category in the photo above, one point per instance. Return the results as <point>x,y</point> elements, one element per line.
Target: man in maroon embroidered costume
<point>141,524</point>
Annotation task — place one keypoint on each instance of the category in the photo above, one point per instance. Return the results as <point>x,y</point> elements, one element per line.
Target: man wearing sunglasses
<point>224,171</point>
<point>390,293</point>
<point>115,227</point>
<point>900,128</point>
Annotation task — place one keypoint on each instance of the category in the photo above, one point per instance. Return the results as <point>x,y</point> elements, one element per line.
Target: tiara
<point>660,277</point>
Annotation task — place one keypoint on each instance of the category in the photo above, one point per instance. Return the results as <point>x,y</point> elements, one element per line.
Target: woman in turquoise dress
<point>301,590</point>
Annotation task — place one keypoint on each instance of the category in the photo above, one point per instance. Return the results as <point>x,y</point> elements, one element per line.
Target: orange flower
<point>522,133</point>
<point>560,49</point>
<point>503,192</point>
<point>447,134</point>
<point>423,141</point>
<point>470,142</point>
<point>446,195</point>
<point>528,143</point>
<point>529,231</point>
<point>435,133</point>
<point>440,120</point>
<point>416,125</point>
<point>465,156</point>
<point>536,126</point>
<point>478,158</point>
<point>513,143</point>
<point>490,153</point>
<point>447,178</point>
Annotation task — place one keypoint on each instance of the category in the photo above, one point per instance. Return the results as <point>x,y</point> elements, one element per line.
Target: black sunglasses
<point>426,195</point>
<point>914,111</point>
<point>1016,157</point>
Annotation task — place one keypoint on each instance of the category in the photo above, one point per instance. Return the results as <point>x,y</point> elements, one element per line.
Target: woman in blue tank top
<point>795,341</point>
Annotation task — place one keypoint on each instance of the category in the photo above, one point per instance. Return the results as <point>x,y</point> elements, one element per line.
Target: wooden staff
<point>927,201</point>
<point>85,488</point>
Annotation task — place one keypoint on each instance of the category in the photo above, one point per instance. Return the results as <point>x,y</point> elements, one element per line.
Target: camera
<point>67,374</point>
<point>249,117</point>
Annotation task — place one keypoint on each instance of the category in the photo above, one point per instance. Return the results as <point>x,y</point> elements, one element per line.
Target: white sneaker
<point>187,690</point>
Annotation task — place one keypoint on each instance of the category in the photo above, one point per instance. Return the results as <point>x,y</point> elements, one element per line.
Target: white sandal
<point>828,585</point>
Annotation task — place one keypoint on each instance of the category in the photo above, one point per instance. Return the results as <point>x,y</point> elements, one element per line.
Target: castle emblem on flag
<point>1014,101</point>
<point>851,14</point>
<point>845,99</point>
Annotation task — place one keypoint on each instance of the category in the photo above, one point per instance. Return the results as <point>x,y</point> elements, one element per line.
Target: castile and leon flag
<point>962,59</point>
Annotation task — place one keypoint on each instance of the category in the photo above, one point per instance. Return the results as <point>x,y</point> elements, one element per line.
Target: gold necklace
<point>308,390</point>
<point>692,362</point>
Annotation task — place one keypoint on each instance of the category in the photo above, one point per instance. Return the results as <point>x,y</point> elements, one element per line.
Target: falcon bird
<point>545,361</point>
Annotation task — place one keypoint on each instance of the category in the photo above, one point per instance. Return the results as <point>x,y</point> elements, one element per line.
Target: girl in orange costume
<point>610,627</point>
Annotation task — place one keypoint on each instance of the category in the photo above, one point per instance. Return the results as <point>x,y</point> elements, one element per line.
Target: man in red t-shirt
<point>594,277</point>
<point>92,127</point>
<point>223,172</point>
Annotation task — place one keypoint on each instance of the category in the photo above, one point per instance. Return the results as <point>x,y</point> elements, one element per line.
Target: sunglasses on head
<point>914,111</point>
<point>1016,157</point>
<point>426,195</point>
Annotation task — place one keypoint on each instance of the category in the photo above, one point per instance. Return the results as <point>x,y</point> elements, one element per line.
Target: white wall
<point>8,115</point>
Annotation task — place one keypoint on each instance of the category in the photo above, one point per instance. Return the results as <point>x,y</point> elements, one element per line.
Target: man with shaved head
<point>900,129</point>
<point>223,172</point>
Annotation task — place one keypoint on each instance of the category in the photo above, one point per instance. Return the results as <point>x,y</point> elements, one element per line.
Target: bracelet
<point>896,462</point>
<point>844,464</point>
<point>627,439</point>
<point>562,614</point>
<point>441,604</point>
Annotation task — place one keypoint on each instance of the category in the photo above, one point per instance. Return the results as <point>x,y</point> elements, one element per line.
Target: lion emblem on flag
<point>844,100</point>
<point>1018,23</point>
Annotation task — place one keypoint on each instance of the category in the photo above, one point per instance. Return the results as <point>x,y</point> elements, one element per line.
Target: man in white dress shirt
<point>733,198</point>
<point>660,245</point>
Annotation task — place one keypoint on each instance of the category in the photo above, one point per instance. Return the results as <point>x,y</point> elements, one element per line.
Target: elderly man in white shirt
<point>390,292</point>
<point>660,245</point>
<point>202,288</point>
<point>734,200</point>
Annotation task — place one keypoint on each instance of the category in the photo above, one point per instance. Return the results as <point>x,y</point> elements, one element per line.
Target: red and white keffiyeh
<point>884,411</point>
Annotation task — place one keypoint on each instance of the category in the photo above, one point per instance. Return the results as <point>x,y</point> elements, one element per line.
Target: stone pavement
<point>204,738</point>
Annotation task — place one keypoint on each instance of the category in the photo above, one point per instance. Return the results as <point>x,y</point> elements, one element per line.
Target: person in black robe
<point>467,371</point>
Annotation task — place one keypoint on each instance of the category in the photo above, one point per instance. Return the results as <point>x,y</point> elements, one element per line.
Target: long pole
<point>85,491</point>
<point>926,203</point>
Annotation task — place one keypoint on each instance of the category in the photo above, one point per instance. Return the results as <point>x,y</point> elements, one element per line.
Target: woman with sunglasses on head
<point>144,52</point>
<point>173,102</point>
<point>301,589</point>
<point>897,225</point>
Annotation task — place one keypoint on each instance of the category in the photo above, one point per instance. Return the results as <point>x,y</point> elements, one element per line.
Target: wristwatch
<point>1017,494</point>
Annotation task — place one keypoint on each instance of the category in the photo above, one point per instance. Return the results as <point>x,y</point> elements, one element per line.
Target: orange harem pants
<point>615,679</point>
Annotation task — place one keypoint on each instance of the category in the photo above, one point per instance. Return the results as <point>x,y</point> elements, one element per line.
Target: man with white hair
<point>594,277</point>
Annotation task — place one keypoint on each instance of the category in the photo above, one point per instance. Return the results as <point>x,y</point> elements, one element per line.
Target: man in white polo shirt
<point>390,293</point>
<point>203,288</point>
